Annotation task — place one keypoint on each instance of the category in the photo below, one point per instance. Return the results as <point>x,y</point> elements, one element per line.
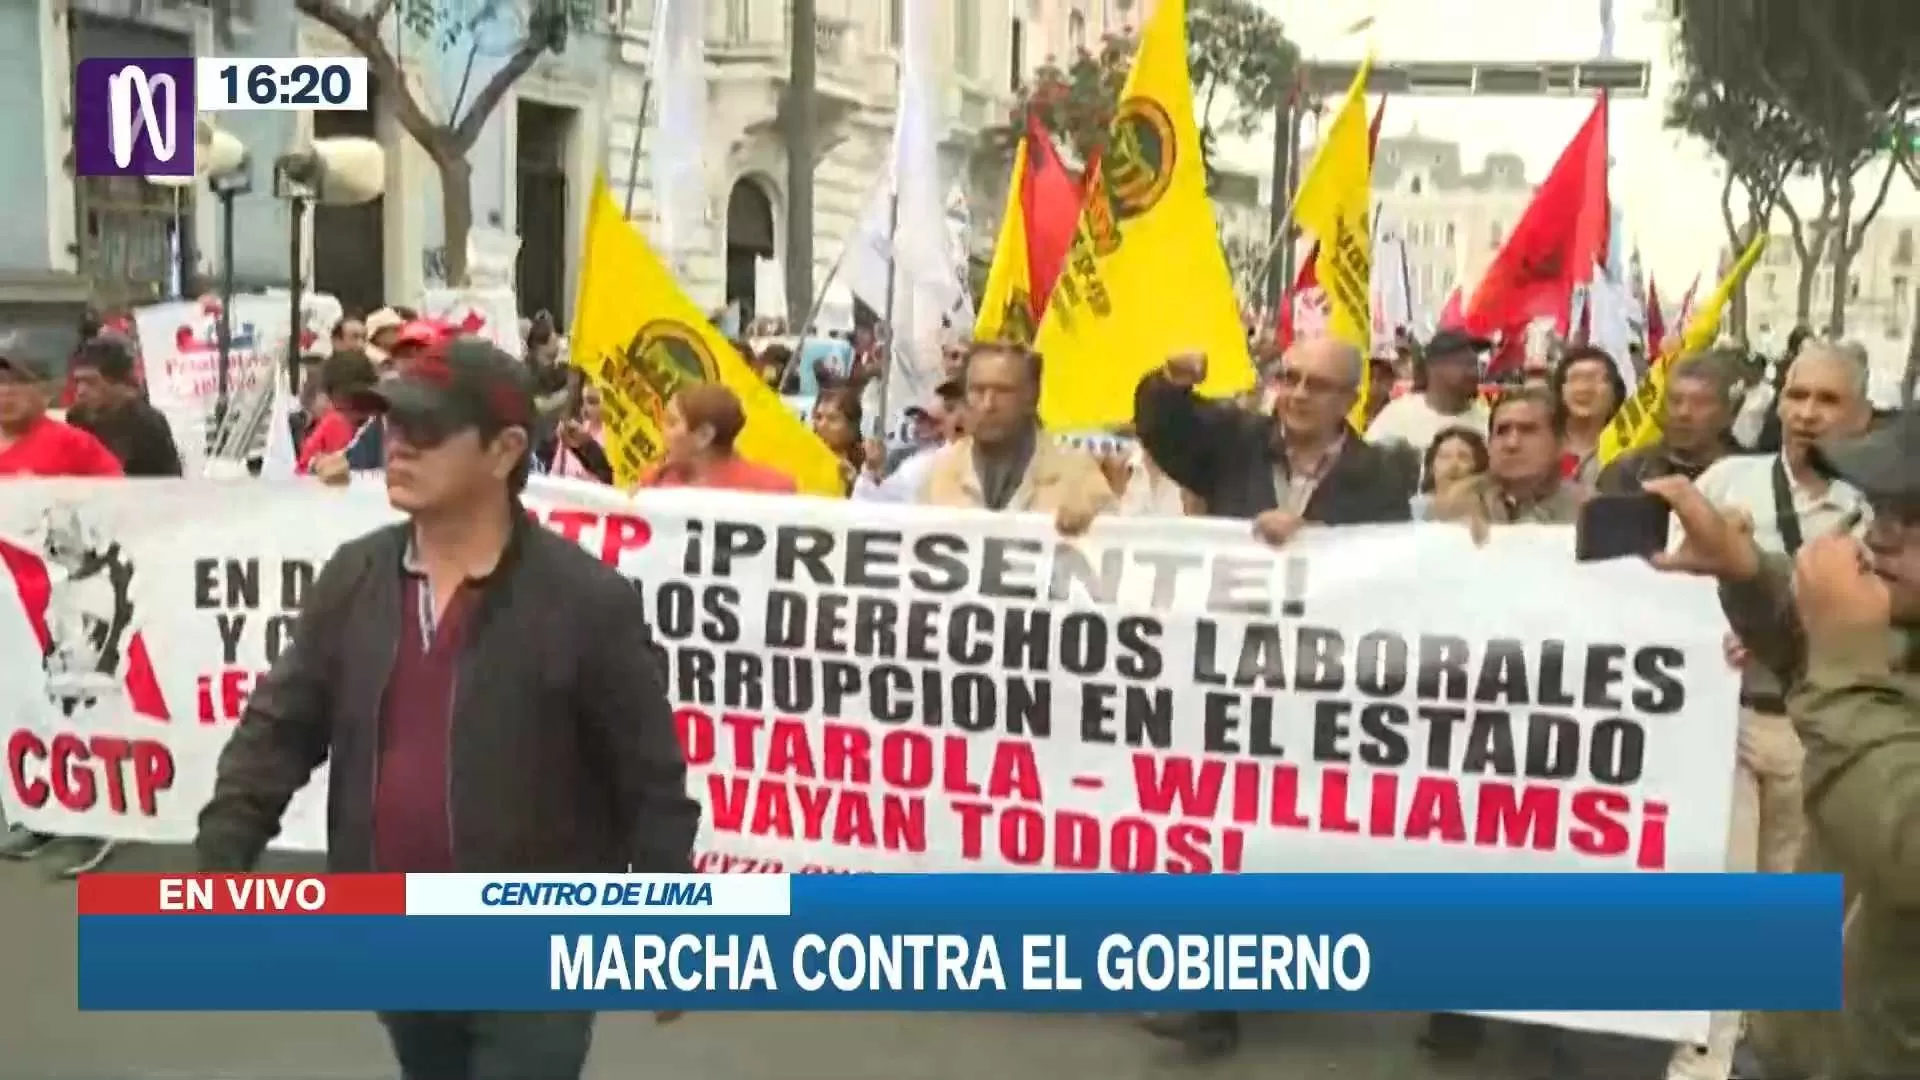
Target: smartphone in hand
<point>1621,526</point>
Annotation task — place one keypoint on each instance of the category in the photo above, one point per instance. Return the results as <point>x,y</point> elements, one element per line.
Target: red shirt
<point>332,434</point>
<point>734,473</point>
<point>52,448</point>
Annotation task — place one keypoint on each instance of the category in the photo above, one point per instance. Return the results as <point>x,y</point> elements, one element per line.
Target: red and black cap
<point>464,383</point>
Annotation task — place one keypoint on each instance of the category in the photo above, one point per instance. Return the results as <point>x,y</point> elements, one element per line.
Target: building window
<point>1413,186</point>
<point>1853,286</point>
<point>1769,284</point>
<point>895,16</point>
<point>967,36</point>
<point>1449,234</point>
<point>1903,248</point>
<point>1077,31</point>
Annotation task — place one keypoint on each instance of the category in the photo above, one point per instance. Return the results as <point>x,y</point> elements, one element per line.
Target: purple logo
<point>133,117</point>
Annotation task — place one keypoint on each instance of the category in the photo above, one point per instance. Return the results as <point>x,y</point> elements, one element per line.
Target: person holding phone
<point>1787,502</point>
<point>1839,627</point>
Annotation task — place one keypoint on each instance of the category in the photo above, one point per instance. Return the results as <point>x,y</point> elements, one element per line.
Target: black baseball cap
<point>1450,342</point>
<point>467,383</point>
<point>19,369</point>
<point>1884,463</point>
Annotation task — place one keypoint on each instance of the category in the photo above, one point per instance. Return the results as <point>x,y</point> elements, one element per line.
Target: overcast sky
<point>1669,188</point>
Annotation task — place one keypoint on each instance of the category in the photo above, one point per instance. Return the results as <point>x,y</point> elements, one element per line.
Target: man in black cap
<point>1840,624</point>
<point>1449,397</point>
<point>467,728</point>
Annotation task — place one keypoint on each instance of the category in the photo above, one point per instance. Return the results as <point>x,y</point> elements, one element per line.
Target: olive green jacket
<point>1856,705</point>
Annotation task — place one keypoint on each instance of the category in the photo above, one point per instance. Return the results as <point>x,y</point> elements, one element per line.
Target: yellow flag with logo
<point>1006,305</point>
<point>1637,423</point>
<point>639,338</point>
<point>1145,277</point>
<point>1334,202</point>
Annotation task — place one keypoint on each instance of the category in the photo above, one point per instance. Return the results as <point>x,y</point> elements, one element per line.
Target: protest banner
<point>492,313</point>
<point>180,356</point>
<point>867,687</point>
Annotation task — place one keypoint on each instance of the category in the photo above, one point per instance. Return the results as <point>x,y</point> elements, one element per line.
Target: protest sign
<point>870,687</point>
<point>492,313</point>
<point>180,356</point>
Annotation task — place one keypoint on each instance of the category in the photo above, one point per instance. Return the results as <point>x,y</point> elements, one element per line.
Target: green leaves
<point>1241,62</point>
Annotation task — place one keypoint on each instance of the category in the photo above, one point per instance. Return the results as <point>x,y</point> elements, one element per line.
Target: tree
<point>1839,83</point>
<point>1761,146</point>
<point>520,30</point>
<point>1239,59</point>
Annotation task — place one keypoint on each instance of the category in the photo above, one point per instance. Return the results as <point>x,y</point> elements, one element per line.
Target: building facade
<point>1453,220</point>
<point>976,50</point>
<point>1879,290</point>
<point>67,242</point>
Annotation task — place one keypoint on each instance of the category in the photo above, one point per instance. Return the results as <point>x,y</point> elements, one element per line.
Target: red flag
<point>1686,302</point>
<point>1450,315</point>
<point>1305,278</point>
<point>1656,320</point>
<point>1050,201</point>
<point>1557,241</point>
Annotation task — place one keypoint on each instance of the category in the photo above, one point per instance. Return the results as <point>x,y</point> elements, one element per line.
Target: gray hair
<point>1851,357</point>
<point>1718,368</point>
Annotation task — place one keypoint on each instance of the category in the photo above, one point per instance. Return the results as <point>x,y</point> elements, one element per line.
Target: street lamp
<point>344,171</point>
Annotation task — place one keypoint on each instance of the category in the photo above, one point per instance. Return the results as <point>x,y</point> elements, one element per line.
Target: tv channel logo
<point>133,117</point>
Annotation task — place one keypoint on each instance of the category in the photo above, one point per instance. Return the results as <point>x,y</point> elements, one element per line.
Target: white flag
<point>678,91</point>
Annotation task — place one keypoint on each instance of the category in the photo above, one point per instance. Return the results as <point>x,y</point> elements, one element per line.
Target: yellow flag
<point>1637,423</point>
<point>1006,307</point>
<point>1145,277</point>
<point>1334,201</point>
<point>640,340</point>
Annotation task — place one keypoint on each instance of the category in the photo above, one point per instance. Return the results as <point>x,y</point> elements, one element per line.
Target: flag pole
<point>639,137</point>
<point>893,262</point>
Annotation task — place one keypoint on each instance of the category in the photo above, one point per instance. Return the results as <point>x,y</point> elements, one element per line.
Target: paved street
<point>43,1037</point>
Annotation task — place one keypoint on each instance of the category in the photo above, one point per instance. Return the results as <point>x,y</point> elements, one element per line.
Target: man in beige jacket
<point>1005,461</point>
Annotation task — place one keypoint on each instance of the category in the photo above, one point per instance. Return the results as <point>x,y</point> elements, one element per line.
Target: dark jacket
<point>563,757</point>
<point>136,432</point>
<point>1226,456</point>
<point>1624,474</point>
<point>591,455</point>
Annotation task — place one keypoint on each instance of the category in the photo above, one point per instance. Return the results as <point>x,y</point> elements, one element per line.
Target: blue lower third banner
<point>1481,942</point>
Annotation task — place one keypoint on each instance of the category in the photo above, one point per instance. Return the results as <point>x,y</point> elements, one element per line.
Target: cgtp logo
<point>133,117</point>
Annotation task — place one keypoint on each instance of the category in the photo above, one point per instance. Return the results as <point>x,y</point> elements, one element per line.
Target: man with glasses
<point>1839,624</point>
<point>1298,462</point>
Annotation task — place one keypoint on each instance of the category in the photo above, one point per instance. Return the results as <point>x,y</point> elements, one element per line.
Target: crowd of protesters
<point>1759,469</point>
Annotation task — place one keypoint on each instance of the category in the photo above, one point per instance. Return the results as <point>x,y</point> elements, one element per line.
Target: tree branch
<point>1857,234</point>
<point>467,131</point>
<point>363,33</point>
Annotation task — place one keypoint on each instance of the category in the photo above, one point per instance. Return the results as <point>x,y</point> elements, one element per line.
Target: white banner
<point>871,687</point>
<point>492,313</point>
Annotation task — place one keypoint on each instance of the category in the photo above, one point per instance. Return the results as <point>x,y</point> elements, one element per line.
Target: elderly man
<point>1299,462</point>
<point>1839,625</point>
<point>1790,502</point>
<point>1522,483</point>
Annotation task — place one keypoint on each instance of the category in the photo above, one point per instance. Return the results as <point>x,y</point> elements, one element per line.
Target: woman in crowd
<point>836,419</point>
<point>1454,455</point>
<point>1588,390</point>
<point>577,448</point>
<point>701,423</point>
